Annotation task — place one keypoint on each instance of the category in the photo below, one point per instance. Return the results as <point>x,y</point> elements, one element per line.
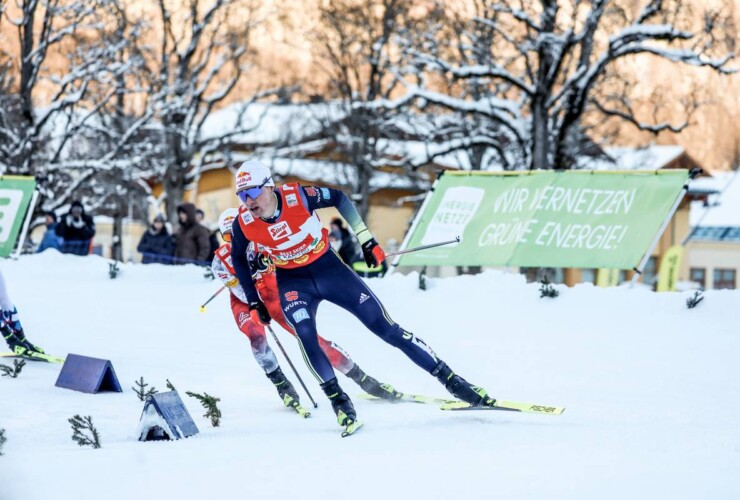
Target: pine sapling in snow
<point>209,403</point>
<point>546,288</point>
<point>13,371</point>
<point>2,440</point>
<point>84,432</point>
<point>113,270</point>
<point>423,279</point>
<point>142,391</point>
<point>694,300</point>
<point>170,386</point>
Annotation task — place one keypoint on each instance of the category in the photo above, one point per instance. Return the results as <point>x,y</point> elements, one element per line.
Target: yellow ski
<point>503,405</point>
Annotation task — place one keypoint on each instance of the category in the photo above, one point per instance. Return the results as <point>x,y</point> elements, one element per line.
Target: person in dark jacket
<point>157,244</point>
<point>213,238</point>
<point>77,228</point>
<point>50,238</point>
<point>191,239</point>
<point>347,249</point>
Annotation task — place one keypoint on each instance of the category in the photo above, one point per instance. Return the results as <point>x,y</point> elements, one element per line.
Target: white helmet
<point>226,220</point>
<point>253,173</point>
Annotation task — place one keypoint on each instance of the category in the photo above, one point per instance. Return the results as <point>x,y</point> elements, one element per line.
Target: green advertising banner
<point>15,195</point>
<point>544,218</point>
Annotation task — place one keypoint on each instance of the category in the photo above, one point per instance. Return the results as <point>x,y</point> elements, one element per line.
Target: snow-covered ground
<point>652,390</point>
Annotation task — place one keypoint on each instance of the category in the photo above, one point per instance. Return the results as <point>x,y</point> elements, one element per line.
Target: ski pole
<point>203,307</point>
<point>291,365</point>
<point>423,247</point>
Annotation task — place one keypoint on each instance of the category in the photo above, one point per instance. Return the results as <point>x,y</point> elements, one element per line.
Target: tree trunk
<point>117,246</point>
<point>364,173</point>
<point>174,187</point>
<point>540,134</point>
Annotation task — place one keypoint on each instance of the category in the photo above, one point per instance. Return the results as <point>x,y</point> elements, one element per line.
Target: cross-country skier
<point>10,325</point>
<point>263,277</point>
<point>284,221</point>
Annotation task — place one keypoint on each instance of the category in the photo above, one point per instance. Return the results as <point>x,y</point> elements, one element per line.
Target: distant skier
<point>266,286</point>
<point>10,325</point>
<point>284,221</point>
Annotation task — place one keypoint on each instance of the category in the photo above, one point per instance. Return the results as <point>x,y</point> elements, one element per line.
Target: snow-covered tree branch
<point>550,60</point>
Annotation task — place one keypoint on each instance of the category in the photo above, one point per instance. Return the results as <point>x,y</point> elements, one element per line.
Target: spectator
<point>213,238</point>
<point>191,239</point>
<point>347,249</point>
<point>157,244</point>
<point>50,238</point>
<point>77,228</point>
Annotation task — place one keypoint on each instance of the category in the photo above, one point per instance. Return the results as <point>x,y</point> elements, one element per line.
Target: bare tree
<point>69,72</point>
<point>356,40</point>
<point>202,53</point>
<point>541,68</point>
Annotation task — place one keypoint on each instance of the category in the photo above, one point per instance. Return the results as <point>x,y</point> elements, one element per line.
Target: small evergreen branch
<point>79,426</point>
<point>423,279</point>
<point>546,288</point>
<point>170,386</point>
<point>694,300</point>
<point>113,269</point>
<point>209,403</point>
<point>3,439</point>
<point>142,392</point>
<point>208,274</point>
<point>13,371</point>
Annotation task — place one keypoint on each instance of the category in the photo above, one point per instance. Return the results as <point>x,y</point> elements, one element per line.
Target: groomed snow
<point>651,389</point>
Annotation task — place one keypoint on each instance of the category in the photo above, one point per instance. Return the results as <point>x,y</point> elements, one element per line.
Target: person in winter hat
<point>264,278</point>
<point>200,216</point>
<point>77,228</point>
<point>285,222</point>
<point>345,245</point>
<point>191,239</point>
<point>50,238</point>
<point>157,244</point>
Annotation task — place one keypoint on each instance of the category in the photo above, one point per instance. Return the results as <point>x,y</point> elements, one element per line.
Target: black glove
<point>258,313</point>
<point>373,253</point>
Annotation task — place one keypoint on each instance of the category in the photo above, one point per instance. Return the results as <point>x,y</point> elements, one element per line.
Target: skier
<point>263,277</point>
<point>284,221</point>
<point>10,325</point>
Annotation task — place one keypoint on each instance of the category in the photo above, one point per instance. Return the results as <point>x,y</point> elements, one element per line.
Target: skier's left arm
<point>323,197</point>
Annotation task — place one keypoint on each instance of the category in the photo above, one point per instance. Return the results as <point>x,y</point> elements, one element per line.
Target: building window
<point>650,271</point>
<point>698,275</point>
<point>724,279</point>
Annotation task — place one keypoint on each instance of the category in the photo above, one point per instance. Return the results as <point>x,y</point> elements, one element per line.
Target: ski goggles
<point>227,237</point>
<point>252,192</point>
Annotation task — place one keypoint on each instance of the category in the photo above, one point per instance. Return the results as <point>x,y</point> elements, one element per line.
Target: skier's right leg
<point>262,352</point>
<point>299,302</point>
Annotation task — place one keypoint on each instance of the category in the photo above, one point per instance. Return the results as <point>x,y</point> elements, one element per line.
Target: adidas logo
<point>363,298</point>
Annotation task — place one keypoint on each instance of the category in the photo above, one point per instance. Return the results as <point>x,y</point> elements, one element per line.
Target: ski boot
<point>10,318</point>
<point>340,402</point>
<point>287,392</point>
<point>461,388</point>
<point>372,386</point>
<point>15,345</point>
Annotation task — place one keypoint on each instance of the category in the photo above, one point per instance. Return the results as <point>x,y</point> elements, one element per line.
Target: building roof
<point>334,173</point>
<point>647,158</point>
<point>718,219</point>
<point>269,124</point>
